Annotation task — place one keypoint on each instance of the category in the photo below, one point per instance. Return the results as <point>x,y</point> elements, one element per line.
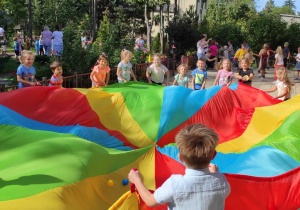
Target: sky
<point>260,4</point>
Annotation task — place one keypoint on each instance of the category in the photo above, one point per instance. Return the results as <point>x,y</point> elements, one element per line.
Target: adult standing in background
<point>46,36</point>
<point>200,47</point>
<point>57,43</point>
<point>3,42</point>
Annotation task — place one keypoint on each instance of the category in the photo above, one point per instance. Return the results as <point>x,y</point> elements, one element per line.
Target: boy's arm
<point>132,74</point>
<point>193,82</point>
<point>203,84</point>
<point>148,77</point>
<point>36,82</point>
<point>120,76</point>
<point>146,195</point>
<point>174,82</point>
<point>168,77</point>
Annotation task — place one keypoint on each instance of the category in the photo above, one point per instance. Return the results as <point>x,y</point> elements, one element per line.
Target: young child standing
<point>37,46</point>
<point>16,47</point>
<point>245,74</point>
<point>199,76</point>
<point>57,78</point>
<point>278,60</point>
<point>157,72</point>
<point>41,45</point>
<point>26,72</point>
<point>282,84</point>
<point>100,72</point>
<point>124,69</point>
<point>239,55</point>
<point>181,79</point>
<point>298,64</point>
<point>224,76</point>
<point>202,186</point>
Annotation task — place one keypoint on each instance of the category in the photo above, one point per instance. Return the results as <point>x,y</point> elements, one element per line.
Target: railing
<point>84,81</point>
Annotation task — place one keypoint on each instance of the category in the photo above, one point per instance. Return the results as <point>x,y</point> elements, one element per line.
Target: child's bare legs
<point>297,77</point>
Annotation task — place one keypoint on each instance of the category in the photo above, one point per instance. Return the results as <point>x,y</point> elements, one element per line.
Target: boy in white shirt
<point>202,186</point>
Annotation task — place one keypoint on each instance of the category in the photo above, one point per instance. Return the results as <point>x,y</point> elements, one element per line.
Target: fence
<point>83,80</point>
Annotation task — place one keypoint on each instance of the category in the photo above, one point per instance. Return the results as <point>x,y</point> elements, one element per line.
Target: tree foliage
<point>265,28</point>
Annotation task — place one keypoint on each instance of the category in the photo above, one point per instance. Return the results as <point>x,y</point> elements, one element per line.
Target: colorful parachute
<point>73,148</point>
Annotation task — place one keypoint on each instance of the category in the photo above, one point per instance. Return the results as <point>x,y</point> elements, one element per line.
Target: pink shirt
<point>214,50</point>
<point>224,77</point>
<point>100,74</point>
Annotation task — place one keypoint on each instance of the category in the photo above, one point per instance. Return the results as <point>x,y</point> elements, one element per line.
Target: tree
<point>269,6</point>
<point>265,28</point>
<point>283,10</point>
<point>290,4</point>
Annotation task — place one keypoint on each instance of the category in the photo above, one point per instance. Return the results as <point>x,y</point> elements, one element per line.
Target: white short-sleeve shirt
<point>197,189</point>
<point>157,73</point>
<point>280,59</point>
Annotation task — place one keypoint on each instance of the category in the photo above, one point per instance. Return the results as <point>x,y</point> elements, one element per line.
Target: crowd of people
<point>48,43</point>
<point>223,58</point>
<point>228,63</point>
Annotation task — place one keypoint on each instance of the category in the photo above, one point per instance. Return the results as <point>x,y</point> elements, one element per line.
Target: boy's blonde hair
<point>196,144</point>
<point>124,53</point>
<point>157,55</point>
<point>285,78</point>
<point>25,54</point>
<point>54,65</point>
<point>182,66</point>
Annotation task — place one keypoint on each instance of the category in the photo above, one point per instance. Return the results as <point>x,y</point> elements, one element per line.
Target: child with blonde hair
<point>26,72</point>
<point>181,79</point>
<point>282,84</point>
<point>245,74</point>
<point>202,186</point>
<point>278,60</point>
<point>224,76</point>
<point>249,54</point>
<point>298,64</point>
<point>100,72</point>
<point>156,72</point>
<point>57,78</point>
<point>124,69</point>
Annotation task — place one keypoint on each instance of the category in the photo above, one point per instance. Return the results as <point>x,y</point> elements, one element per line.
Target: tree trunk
<point>148,25</point>
<point>93,17</point>
<point>161,29</point>
<point>30,21</point>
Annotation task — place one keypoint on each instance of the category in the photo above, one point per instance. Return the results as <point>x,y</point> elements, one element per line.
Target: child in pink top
<point>224,76</point>
<point>100,72</point>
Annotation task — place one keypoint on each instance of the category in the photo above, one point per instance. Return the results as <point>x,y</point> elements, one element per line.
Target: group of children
<point>26,72</point>
<point>156,72</point>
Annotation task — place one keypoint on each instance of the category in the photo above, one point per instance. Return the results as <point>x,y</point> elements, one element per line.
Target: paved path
<point>256,82</point>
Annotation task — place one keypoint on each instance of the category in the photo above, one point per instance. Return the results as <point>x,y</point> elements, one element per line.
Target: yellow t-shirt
<point>240,54</point>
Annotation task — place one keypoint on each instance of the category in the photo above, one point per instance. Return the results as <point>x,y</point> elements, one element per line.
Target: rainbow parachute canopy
<point>73,148</point>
